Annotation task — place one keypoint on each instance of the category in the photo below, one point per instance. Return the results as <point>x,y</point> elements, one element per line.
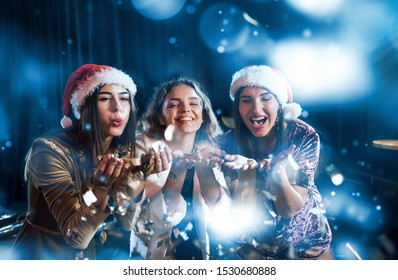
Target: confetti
<point>89,197</point>
<point>168,133</point>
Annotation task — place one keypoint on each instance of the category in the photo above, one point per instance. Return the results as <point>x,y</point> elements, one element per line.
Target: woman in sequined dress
<point>271,162</point>
<point>73,173</point>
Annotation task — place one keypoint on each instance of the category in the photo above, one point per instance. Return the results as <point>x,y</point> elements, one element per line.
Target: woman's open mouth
<point>185,119</point>
<point>258,121</point>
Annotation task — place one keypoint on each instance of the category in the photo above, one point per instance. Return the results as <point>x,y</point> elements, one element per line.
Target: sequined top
<point>306,235</point>
<point>58,223</point>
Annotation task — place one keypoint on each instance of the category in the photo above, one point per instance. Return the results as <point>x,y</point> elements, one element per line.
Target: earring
<point>277,121</point>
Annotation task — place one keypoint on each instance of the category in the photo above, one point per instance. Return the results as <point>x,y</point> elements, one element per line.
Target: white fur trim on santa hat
<point>291,111</point>
<point>260,76</point>
<point>104,76</point>
<point>264,76</point>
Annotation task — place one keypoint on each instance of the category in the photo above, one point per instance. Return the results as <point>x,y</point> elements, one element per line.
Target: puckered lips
<point>116,122</point>
<point>258,121</point>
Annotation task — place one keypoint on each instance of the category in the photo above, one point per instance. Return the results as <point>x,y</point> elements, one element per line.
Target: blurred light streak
<point>349,247</point>
<point>387,244</point>
<point>322,71</point>
<point>343,252</point>
<point>250,20</point>
<point>317,8</point>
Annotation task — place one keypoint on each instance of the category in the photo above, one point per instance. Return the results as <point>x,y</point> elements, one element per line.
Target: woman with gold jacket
<point>73,173</point>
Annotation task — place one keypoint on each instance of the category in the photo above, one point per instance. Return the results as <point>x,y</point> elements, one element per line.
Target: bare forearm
<point>287,200</point>
<point>210,187</point>
<point>172,189</point>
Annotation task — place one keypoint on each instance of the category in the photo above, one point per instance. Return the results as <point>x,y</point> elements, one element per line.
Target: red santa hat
<point>85,80</point>
<point>264,76</point>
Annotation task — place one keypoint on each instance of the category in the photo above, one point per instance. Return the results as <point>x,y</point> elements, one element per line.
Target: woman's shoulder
<point>299,131</point>
<point>302,127</point>
<point>59,139</point>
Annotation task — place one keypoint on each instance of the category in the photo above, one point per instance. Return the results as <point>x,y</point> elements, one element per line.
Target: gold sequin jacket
<point>58,223</point>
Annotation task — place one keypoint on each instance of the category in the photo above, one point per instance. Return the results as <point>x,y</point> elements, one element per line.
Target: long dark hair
<point>149,121</point>
<point>89,128</point>
<point>244,138</point>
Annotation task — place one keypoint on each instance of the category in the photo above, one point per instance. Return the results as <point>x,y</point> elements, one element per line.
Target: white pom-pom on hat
<point>66,122</point>
<point>291,111</point>
<point>264,76</point>
<point>82,82</point>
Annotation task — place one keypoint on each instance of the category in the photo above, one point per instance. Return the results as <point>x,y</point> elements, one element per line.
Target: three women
<point>268,160</point>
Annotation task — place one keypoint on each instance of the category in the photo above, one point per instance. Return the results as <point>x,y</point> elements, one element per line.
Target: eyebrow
<point>261,94</point>
<point>179,99</point>
<point>109,93</point>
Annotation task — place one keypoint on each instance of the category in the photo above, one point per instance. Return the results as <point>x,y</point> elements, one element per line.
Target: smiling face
<point>114,109</point>
<point>183,109</point>
<point>258,109</point>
